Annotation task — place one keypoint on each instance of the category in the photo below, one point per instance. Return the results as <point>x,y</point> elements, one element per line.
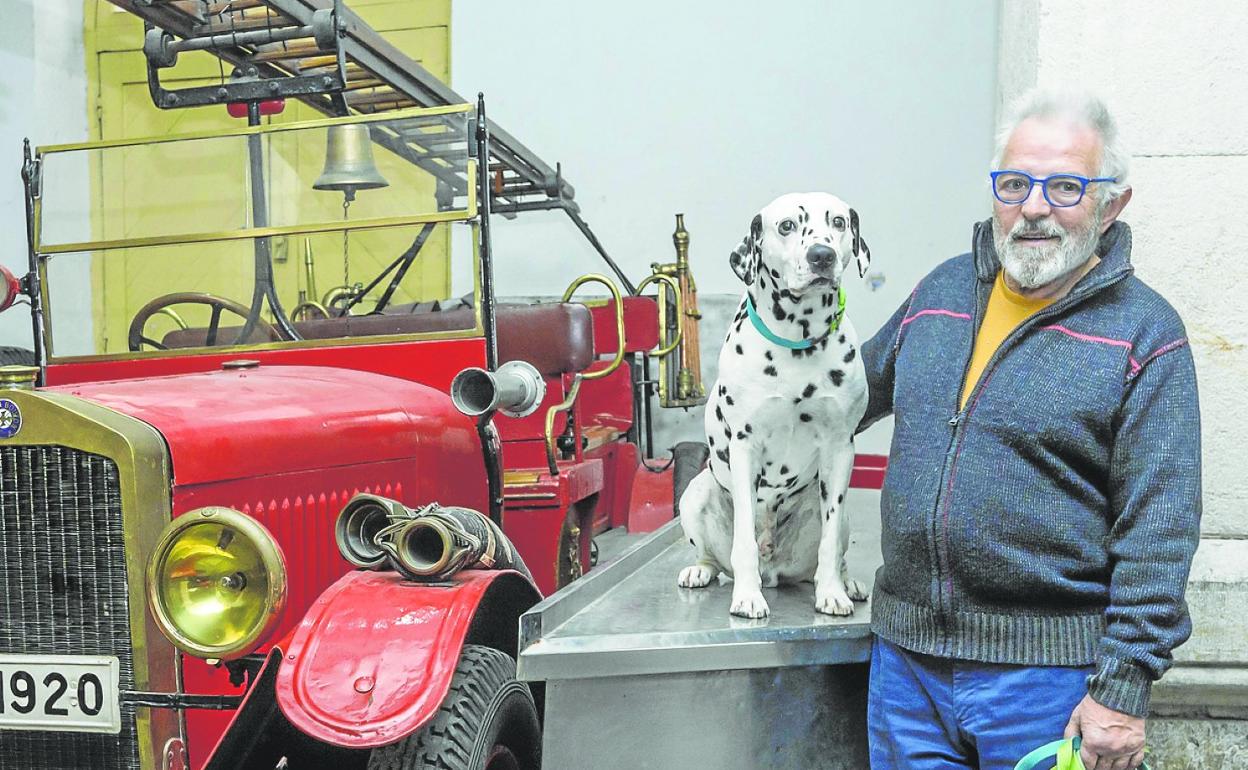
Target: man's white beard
<point>1035,266</point>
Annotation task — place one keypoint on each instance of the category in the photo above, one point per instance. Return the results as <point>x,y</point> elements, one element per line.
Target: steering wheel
<point>136,339</point>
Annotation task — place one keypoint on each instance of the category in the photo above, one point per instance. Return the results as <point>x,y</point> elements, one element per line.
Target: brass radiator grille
<point>63,589</point>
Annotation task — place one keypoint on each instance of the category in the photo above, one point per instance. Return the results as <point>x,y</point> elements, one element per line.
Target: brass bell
<point>349,162</point>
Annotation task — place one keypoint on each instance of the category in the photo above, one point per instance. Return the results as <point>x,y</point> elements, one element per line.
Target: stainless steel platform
<point>641,673</point>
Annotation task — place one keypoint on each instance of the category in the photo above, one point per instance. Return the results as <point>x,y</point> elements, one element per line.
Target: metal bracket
<point>254,82</point>
<point>181,700</point>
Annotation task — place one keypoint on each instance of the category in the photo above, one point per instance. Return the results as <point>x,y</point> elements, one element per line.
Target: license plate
<point>70,693</point>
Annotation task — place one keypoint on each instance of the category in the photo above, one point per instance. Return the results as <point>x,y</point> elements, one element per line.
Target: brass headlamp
<point>217,583</point>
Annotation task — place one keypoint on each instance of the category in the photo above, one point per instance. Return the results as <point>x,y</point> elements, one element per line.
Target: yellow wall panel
<point>123,282</point>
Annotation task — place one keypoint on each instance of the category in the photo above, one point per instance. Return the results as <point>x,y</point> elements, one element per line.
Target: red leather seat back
<point>555,338</point>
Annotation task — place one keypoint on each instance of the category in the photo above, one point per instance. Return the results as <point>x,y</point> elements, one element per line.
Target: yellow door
<point>122,282</point>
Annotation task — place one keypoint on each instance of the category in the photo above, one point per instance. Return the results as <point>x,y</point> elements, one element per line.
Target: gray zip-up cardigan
<point>1053,519</point>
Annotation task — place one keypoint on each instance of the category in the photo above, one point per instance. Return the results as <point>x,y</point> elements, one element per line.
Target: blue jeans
<point>926,712</point>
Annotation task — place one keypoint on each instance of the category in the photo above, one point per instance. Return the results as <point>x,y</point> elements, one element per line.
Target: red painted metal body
<point>373,658</point>
<point>289,445</point>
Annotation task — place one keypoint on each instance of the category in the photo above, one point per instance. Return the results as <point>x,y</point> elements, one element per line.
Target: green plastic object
<point>1066,753</point>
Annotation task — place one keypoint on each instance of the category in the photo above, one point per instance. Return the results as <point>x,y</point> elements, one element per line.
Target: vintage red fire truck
<point>179,582</point>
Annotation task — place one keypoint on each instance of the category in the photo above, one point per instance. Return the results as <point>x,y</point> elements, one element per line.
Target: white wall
<point>713,109</point>
<point>43,96</point>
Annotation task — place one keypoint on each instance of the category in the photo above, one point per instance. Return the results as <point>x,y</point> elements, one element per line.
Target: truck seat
<point>556,338</point>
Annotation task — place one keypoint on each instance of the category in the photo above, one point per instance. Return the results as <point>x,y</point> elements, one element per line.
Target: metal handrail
<point>574,391</point>
<point>680,311</point>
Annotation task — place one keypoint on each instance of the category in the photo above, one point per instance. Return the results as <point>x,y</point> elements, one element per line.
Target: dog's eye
<point>787,226</point>
<point>838,223</point>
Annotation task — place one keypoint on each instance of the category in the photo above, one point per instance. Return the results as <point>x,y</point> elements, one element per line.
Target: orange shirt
<point>1006,310</point>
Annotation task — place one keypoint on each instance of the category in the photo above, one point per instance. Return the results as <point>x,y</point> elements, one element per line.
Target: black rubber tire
<point>689,458</point>
<point>12,355</point>
<point>486,709</point>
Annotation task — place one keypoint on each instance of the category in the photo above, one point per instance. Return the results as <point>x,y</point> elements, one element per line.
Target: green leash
<point>1066,751</point>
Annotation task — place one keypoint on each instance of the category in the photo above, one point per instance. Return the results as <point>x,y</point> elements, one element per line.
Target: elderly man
<point>1042,502</point>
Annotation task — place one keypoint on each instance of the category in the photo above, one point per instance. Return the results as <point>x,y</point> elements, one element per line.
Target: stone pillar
<point>1176,78</point>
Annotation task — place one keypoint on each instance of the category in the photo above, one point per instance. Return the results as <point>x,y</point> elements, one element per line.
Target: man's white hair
<point>1083,109</point>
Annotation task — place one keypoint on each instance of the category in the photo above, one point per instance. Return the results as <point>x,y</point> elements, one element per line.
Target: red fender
<point>372,660</point>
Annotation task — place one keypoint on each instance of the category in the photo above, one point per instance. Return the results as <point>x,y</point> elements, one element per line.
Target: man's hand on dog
<point>1111,740</point>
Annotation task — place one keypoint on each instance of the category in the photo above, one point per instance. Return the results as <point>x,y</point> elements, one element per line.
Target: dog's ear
<point>861,252</point>
<point>744,258</point>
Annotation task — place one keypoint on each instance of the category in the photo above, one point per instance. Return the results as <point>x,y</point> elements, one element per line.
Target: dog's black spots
<point>808,311</point>
<point>695,545</point>
<point>827,516</point>
<point>805,215</point>
<point>722,454</point>
<point>762,282</point>
<point>804,417</point>
<point>770,371</point>
<point>767,354</point>
<point>723,390</point>
<point>809,390</point>
<point>805,327</point>
<point>823,300</point>
<point>774,273</point>
<point>827,218</point>
<point>711,439</point>
<point>738,349</point>
<point>786,294</point>
<point>784,470</point>
<point>741,435</point>
<point>850,355</point>
<point>823,344</point>
<point>790,481</point>
<point>839,499</point>
<point>823,490</point>
<point>790,316</point>
<point>803,352</point>
<point>797,400</point>
<point>727,432</point>
<point>728,399</point>
<point>761,482</point>
<point>719,413</point>
<point>837,376</point>
<point>778,310</point>
<point>748,429</point>
<point>840,339</point>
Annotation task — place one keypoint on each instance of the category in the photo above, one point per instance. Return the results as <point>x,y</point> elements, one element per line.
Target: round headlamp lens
<point>217,582</point>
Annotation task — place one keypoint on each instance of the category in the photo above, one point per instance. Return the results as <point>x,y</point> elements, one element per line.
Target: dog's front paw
<point>856,590</point>
<point>695,577</point>
<point>833,601</point>
<point>749,605</point>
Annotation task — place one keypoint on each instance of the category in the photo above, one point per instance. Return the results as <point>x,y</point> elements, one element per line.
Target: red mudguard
<point>373,658</point>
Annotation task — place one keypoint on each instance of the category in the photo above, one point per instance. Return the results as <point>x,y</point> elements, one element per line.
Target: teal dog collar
<point>771,336</point>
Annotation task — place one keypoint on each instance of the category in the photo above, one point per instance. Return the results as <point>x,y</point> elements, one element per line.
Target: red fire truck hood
<point>266,420</point>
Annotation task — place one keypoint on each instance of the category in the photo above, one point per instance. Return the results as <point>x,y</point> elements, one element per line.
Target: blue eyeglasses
<point>1060,190</point>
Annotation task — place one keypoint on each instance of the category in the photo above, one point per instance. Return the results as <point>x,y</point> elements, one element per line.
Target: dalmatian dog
<point>769,506</point>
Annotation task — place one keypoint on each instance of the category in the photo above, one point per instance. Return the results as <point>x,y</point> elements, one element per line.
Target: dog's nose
<point>820,256</point>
